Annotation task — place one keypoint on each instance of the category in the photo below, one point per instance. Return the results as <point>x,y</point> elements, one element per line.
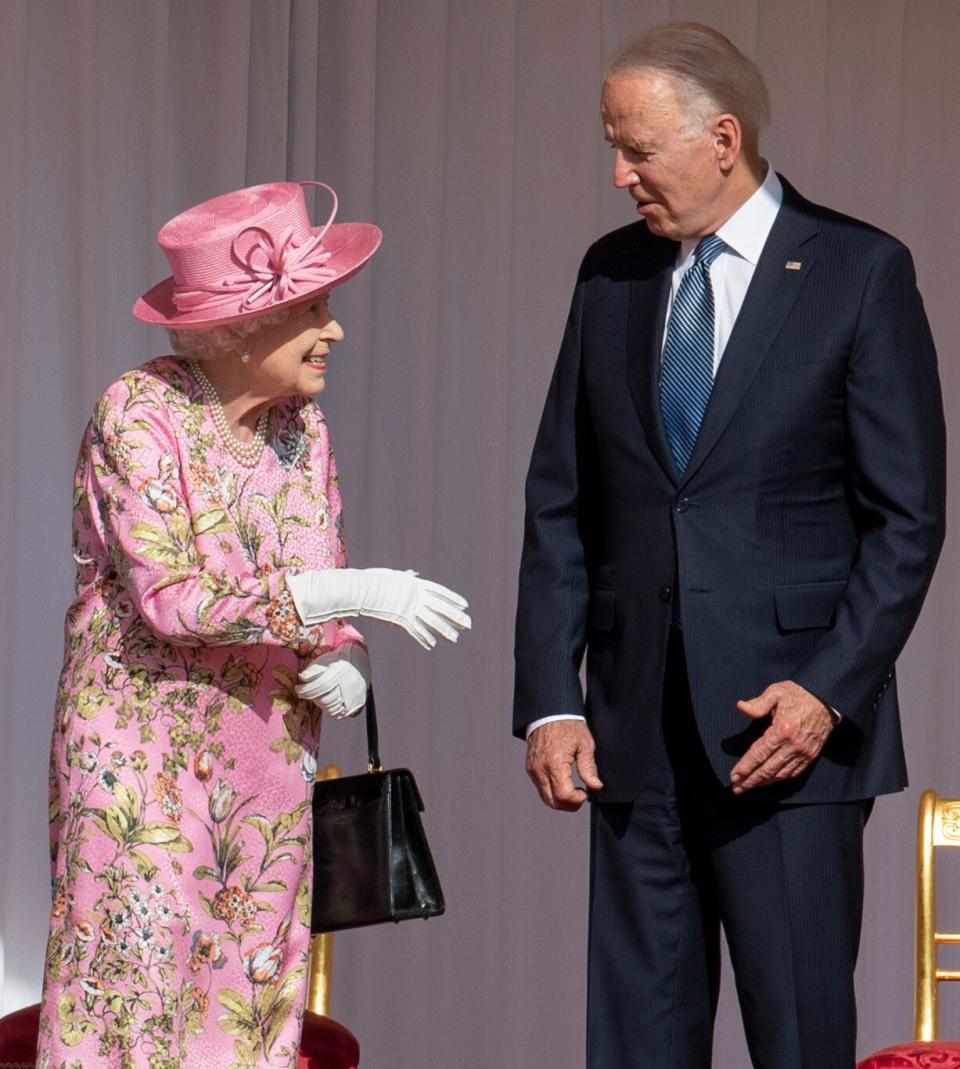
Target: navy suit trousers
<point>688,859</point>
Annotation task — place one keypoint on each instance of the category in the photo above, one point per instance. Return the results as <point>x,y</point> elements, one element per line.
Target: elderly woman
<point>211,575</point>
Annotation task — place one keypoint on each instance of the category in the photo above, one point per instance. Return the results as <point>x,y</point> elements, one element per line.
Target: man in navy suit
<point>735,505</point>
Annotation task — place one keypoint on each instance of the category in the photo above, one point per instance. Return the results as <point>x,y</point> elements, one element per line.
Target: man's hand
<point>552,750</point>
<point>799,726</point>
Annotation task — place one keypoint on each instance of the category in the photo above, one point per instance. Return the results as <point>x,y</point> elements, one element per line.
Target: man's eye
<point>635,155</point>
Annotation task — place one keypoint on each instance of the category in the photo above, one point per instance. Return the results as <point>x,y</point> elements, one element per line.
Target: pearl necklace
<point>245,453</point>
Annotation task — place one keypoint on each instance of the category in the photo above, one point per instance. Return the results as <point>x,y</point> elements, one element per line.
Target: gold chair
<point>938,824</point>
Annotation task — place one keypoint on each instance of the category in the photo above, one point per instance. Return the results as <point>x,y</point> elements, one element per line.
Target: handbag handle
<point>373,735</point>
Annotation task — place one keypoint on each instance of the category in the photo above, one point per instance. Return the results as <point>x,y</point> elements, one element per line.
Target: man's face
<point>671,172</point>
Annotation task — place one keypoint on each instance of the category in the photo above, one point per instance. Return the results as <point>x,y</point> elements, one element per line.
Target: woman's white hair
<point>232,338</point>
<point>712,74</point>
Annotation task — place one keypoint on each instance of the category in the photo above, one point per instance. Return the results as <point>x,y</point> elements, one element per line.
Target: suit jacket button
<point>682,504</point>
<point>665,593</point>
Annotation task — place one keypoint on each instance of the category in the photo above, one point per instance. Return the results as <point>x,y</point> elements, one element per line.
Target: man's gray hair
<point>712,74</point>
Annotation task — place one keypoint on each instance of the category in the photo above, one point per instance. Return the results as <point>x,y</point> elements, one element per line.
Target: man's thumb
<point>587,767</point>
<point>759,706</point>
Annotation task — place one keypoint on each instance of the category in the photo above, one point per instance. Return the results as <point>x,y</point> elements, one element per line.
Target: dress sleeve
<point>167,556</point>
<point>334,633</point>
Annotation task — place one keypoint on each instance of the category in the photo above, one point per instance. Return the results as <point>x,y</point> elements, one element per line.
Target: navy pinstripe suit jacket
<point>801,539</point>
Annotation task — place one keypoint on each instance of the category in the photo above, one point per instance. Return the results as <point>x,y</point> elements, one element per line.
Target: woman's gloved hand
<point>423,609</point>
<point>337,681</point>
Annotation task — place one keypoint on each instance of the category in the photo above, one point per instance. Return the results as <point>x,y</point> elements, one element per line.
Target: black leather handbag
<point>371,861</point>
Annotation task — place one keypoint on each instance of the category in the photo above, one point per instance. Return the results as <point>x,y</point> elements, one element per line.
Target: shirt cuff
<point>534,724</point>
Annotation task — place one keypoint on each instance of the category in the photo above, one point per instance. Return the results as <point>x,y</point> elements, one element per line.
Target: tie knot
<point>708,249</point>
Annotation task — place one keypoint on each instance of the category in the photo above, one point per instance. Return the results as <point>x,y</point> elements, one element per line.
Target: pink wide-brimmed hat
<point>249,252</point>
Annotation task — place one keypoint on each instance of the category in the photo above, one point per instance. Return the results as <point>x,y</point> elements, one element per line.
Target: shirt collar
<point>746,231</point>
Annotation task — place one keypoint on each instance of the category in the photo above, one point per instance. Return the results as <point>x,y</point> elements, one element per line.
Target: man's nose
<point>623,175</point>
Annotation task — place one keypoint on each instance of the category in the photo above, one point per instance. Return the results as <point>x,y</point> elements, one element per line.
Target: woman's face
<point>291,357</point>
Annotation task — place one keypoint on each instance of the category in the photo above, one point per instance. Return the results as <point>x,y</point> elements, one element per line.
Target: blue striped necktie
<point>686,377</point>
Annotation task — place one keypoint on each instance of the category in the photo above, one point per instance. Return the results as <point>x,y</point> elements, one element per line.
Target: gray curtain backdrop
<point>470,132</point>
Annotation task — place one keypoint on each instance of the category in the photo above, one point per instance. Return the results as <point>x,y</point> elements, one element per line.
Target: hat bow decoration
<point>276,268</point>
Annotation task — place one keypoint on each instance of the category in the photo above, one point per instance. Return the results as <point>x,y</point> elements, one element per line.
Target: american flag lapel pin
<point>793,265</point>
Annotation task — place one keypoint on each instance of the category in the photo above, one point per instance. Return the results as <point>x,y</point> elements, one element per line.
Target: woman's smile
<point>317,361</point>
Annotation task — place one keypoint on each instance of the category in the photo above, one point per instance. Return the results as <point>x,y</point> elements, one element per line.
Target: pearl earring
<point>245,356</point>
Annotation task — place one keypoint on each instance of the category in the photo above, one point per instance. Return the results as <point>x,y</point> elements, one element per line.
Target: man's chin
<point>656,227</point>
<point>653,217</point>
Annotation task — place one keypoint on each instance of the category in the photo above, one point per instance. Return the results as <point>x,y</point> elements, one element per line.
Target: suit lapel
<point>645,326</point>
<point>772,291</point>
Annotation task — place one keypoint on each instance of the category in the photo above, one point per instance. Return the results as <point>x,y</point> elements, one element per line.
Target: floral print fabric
<point>182,760</point>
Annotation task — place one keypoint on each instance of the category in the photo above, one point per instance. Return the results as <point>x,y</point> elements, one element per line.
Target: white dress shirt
<point>744,233</point>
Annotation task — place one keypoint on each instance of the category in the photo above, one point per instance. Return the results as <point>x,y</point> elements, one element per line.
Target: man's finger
<point>555,792</point>
<point>793,768</point>
<point>781,765</point>
<point>587,770</point>
<point>566,794</point>
<point>542,783</point>
<point>773,773</point>
<point>761,705</point>
<point>758,754</point>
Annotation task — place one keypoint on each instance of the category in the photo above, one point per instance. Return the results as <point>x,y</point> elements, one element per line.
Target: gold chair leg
<point>321,972</point>
<point>321,945</point>
<point>925,1006</point>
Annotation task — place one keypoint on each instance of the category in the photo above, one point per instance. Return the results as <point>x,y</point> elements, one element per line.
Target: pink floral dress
<point>182,760</point>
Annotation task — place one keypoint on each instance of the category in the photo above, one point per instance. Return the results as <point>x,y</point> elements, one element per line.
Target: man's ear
<point>728,140</point>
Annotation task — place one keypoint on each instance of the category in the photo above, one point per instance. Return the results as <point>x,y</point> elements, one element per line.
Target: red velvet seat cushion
<point>18,1037</point>
<point>326,1044</point>
<point>916,1055</point>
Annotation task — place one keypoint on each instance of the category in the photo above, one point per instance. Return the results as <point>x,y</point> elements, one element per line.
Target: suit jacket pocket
<point>807,605</point>
<point>602,610</point>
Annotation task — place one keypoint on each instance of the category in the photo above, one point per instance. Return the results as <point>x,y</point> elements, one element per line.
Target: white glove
<point>423,609</point>
<point>337,681</point>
